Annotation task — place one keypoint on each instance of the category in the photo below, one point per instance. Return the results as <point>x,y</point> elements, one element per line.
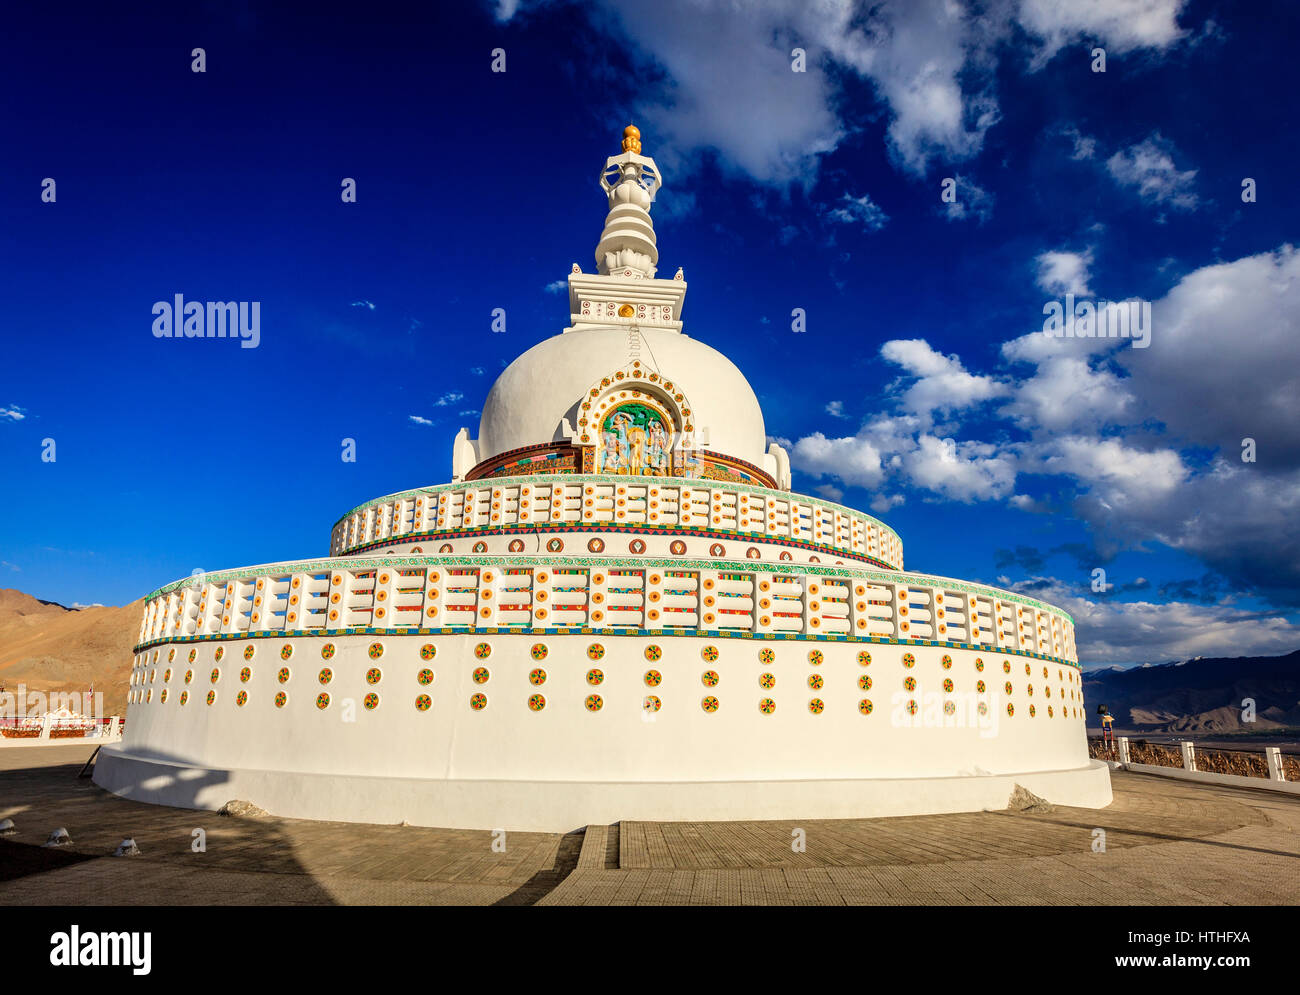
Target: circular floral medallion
<point>653,653</point>
<point>1032,711</point>
<point>1007,687</point>
<point>653,678</point>
<point>162,698</point>
<point>281,699</point>
<point>816,706</point>
<point>371,701</point>
<point>516,545</point>
<point>909,684</point>
<point>911,706</point>
<point>949,708</point>
<point>947,684</point>
<point>651,703</point>
<point>710,678</point>
<point>909,660</point>
<point>323,700</point>
<point>215,675</point>
<point>636,546</point>
<point>816,657</point>
<point>767,706</point>
<point>283,675</point>
<point>595,651</point>
<point>595,677</point>
<point>767,681</point>
<point>480,547</point>
<point>815,681</point>
<point>767,656</point>
<point>248,652</point>
<point>374,675</point>
<point>221,651</point>
<point>327,651</point>
<point>537,676</point>
<point>1031,690</point>
<point>594,702</point>
<point>946,661</point>
<point>596,545</point>
<point>422,702</point>
<point>171,655</point>
<point>425,676</point>
<point>864,706</point>
<point>1028,670</point>
<point>983,708</point>
<point>979,687</point>
<point>709,704</point>
<point>481,675</point>
<point>286,651</point>
<point>537,702</point>
<point>189,676</point>
<point>1011,709</point>
<point>167,675</point>
<point>428,651</point>
<point>864,658</point>
<point>753,553</point>
<point>482,651</point>
<point>1044,672</point>
<point>717,549</point>
<point>1049,711</point>
<point>191,656</point>
<point>325,676</point>
<point>979,664</point>
<point>1006,666</point>
<point>478,702</point>
<point>241,699</point>
<point>185,696</point>
<point>785,555</point>
<point>864,682</point>
<point>376,650</point>
<point>677,547</point>
<point>538,652</point>
<point>244,674</point>
<point>710,653</point>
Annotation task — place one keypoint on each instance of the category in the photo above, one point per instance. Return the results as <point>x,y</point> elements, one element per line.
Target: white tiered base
<point>553,807</point>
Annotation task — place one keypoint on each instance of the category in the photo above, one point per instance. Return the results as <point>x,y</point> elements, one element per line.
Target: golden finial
<point>632,139</point>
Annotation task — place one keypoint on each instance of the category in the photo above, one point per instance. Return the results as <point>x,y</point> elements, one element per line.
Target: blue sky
<point>923,390</point>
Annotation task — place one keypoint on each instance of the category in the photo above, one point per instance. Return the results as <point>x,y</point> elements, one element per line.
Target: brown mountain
<point>51,648</point>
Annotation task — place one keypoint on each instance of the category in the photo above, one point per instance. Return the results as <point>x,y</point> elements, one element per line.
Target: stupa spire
<point>630,181</point>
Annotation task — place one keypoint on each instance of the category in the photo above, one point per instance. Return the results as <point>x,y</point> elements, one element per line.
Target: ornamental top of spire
<point>630,181</point>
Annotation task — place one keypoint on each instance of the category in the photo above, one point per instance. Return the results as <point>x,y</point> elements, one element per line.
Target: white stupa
<point>617,609</point>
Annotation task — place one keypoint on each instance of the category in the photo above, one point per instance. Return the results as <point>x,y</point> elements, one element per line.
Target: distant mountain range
<point>1204,695</point>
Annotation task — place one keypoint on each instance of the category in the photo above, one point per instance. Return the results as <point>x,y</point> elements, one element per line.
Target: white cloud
<point>1119,26</point>
<point>859,210</point>
<point>420,421</point>
<point>853,460</point>
<point>1149,166</point>
<point>557,286</point>
<point>967,471</point>
<point>942,383</point>
<point>478,371</point>
<point>830,492</point>
<point>12,413</point>
<point>836,409</point>
<point>451,397</point>
<point>364,304</point>
<point>973,201</point>
<point>1065,272</point>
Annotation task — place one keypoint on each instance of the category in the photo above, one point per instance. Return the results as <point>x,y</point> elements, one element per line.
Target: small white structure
<point>616,610</point>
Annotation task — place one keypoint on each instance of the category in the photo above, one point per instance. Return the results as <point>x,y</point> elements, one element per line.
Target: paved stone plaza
<point>1167,842</point>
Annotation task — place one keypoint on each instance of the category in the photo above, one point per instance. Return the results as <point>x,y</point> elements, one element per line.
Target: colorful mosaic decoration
<point>710,678</point>
<point>481,675</point>
<point>555,545</point>
<point>371,701</point>
<point>241,699</point>
<point>1006,666</point>
<point>171,655</point>
<point>191,656</point>
<point>815,681</point>
<point>653,653</point>
<point>864,682</point>
<point>283,675</point>
<point>478,702</point>
<point>653,678</point>
<point>767,681</point>
<point>979,687</point>
<point>1028,670</point>
<point>215,675</point>
<point>163,697</point>
<point>815,657</point>
<point>221,651</point>
<point>864,659</point>
<point>286,651</point>
<point>948,685</point>
<point>766,656</point>
<point>249,651</point>
<point>710,653</point>
<point>167,675</point>
<point>594,703</point>
<point>911,706</point>
<point>537,676</point>
<point>816,706</point>
<point>323,700</point>
<point>185,696</point>
<point>909,684</point>
<point>1007,687</point>
<point>949,708</point>
<point>595,651</point>
<point>651,703</point>
<point>979,665</point>
<point>325,676</point>
<point>709,703</point>
<point>909,660</point>
<point>189,676</point>
<point>425,676</point>
<point>595,677</point>
<point>244,674</point>
<point>327,651</point>
<point>376,650</point>
<point>864,706</point>
<point>422,702</point>
<point>1032,711</point>
<point>537,702</point>
<point>482,651</point>
<point>428,651</point>
<point>374,675</point>
<point>767,706</point>
<point>1011,709</point>
<point>946,662</point>
<point>538,651</point>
